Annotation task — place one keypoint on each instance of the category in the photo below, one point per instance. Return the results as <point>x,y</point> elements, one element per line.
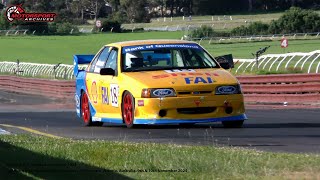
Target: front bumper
<point>148,112</point>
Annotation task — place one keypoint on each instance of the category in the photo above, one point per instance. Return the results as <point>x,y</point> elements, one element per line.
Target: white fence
<point>235,39</point>
<point>61,71</point>
<point>13,32</point>
<point>306,62</point>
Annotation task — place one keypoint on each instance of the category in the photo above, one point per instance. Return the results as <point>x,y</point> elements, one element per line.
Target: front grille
<point>194,92</point>
<point>198,110</point>
<point>184,92</point>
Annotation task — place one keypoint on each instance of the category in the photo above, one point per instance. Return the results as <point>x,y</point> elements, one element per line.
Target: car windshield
<point>165,57</point>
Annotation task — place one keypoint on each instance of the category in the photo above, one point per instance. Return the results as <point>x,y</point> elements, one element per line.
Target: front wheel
<point>232,124</point>
<point>128,109</point>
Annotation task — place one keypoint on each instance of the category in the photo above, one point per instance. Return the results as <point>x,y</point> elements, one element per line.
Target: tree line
<point>142,10</point>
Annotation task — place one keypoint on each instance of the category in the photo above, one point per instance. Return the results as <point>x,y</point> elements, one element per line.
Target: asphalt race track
<point>280,130</point>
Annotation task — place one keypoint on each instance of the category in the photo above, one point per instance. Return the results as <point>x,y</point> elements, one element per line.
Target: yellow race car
<point>156,82</point>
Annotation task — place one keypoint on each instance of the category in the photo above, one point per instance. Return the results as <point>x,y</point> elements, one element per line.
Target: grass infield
<point>38,157</point>
<point>60,49</point>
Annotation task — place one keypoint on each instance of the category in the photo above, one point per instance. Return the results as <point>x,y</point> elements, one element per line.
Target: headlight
<point>230,89</point>
<point>156,93</point>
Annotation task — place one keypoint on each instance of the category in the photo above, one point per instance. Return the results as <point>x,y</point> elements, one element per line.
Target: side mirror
<point>107,71</point>
<point>226,61</point>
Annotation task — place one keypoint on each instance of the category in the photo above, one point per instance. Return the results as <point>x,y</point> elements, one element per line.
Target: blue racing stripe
<point>180,121</point>
<point>112,120</point>
<point>177,121</point>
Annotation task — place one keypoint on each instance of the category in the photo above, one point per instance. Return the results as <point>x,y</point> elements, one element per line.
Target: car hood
<point>201,79</point>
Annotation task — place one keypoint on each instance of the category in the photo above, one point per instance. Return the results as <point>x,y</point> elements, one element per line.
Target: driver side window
<point>112,59</point>
<point>99,61</point>
<point>102,59</point>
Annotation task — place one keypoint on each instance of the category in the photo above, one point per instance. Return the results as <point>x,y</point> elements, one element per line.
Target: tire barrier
<point>286,88</point>
<point>55,89</point>
<point>263,89</point>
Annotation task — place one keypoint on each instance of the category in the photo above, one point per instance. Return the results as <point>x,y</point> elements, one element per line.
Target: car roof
<point>150,41</point>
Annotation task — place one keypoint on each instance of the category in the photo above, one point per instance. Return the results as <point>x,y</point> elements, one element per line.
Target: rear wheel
<point>85,111</point>
<point>232,124</point>
<point>128,109</point>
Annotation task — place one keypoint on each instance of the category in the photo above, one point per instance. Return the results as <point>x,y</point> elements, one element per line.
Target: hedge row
<point>294,20</point>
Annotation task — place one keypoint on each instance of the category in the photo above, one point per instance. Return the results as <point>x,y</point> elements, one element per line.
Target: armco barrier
<point>291,88</point>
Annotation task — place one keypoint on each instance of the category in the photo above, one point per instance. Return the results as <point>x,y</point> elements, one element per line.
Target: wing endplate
<point>80,59</point>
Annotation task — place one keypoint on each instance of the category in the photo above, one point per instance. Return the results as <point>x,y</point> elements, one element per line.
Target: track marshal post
<point>258,54</point>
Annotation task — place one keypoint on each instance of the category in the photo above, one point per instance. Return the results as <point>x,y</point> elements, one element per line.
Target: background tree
<point>135,10</point>
<point>41,5</point>
<point>250,5</point>
<point>4,23</point>
<point>115,4</point>
<point>156,7</point>
<point>142,10</point>
<point>78,8</point>
<point>170,4</point>
<point>296,20</point>
<point>94,7</point>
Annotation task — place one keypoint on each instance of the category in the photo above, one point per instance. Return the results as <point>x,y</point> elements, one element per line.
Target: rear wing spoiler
<point>80,59</point>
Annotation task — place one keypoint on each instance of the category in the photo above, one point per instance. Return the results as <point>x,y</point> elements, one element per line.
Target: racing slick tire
<point>127,109</point>
<point>232,124</point>
<point>85,111</point>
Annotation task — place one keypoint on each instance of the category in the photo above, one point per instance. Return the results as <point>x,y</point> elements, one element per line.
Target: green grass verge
<point>46,158</point>
<point>55,49</point>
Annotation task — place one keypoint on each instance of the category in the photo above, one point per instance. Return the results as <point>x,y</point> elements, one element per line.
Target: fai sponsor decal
<point>198,80</point>
<point>16,12</point>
